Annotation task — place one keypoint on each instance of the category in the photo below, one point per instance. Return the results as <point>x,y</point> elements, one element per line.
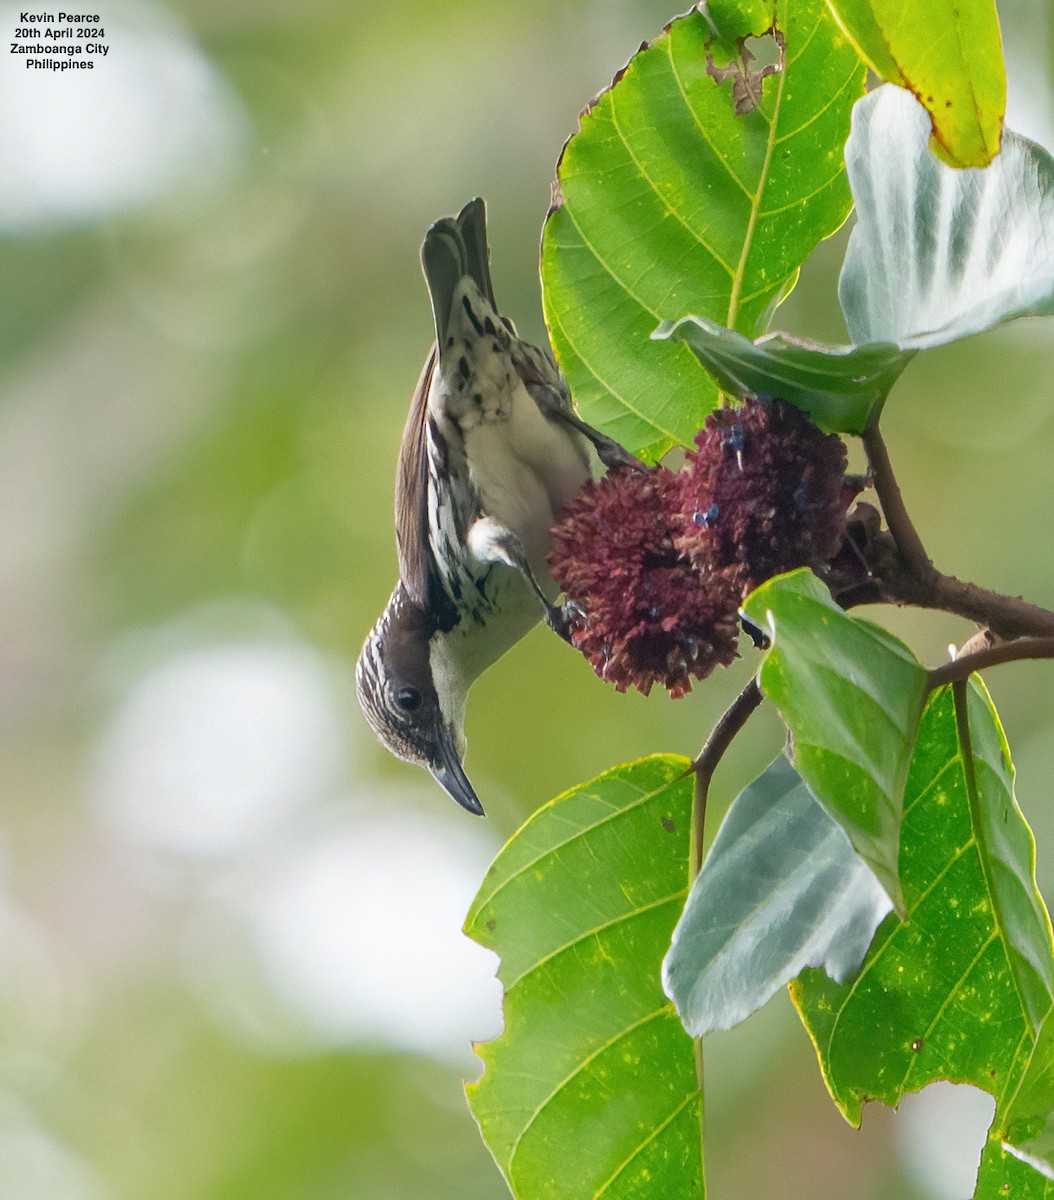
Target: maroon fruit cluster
<point>651,615</point>
<point>658,562</point>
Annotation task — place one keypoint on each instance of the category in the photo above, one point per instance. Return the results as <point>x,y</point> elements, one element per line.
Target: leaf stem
<point>705,763</point>
<point>964,666</point>
<point>961,698</point>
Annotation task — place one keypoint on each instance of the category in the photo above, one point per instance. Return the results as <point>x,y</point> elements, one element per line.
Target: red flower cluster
<point>651,616</point>
<point>657,561</point>
<point>762,493</point>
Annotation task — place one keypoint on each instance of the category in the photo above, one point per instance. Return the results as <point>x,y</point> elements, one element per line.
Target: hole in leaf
<point>766,51</point>
<point>758,57</point>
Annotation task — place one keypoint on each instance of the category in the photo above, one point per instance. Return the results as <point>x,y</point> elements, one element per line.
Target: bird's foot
<point>564,619</point>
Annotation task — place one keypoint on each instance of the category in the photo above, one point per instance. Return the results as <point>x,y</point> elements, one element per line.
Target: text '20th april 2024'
<point>59,41</point>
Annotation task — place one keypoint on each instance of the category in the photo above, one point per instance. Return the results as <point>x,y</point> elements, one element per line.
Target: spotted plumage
<point>491,453</point>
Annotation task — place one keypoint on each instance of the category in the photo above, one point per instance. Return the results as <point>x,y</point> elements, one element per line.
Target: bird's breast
<point>526,467</point>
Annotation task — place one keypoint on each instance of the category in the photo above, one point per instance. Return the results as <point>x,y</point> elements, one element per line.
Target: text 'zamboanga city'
<point>59,41</point>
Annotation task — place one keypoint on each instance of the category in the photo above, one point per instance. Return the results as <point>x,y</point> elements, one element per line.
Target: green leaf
<point>961,988</point>
<point>781,889</point>
<point>851,694</point>
<point>1002,1174</point>
<point>1027,1121</point>
<point>591,1089</point>
<point>672,202</point>
<point>842,388</point>
<point>949,54</point>
<point>938,254</point>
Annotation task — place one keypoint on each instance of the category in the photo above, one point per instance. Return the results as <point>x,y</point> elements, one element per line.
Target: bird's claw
<point>564,619</point>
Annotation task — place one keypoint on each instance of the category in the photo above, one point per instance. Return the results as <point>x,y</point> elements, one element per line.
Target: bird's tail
<point>453,248</point>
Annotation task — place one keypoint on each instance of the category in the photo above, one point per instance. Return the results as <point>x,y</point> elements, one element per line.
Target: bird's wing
<point>411,496</point>
<point>431,520</point>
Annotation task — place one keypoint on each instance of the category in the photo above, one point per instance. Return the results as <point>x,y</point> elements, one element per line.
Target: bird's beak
<point>450,775</point>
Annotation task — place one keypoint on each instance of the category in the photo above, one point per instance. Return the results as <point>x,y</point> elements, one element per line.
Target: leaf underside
<point>938,254</point>
<point>781,889</point>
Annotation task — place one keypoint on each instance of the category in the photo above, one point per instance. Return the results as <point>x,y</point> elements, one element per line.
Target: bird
<point>491,452</point>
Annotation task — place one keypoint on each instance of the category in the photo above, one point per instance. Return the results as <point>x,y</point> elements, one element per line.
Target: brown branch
<point>705,763</point>
<point>964,666</point>
<point>1009,617</point>
<point>904,573</point>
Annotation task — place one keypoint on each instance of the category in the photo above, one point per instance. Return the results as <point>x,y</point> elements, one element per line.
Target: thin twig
<point>705,763</point>
<point>964,666</point>
<point>900,523</point>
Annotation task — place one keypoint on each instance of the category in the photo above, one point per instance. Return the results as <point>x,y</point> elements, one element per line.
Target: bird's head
<point>413,701</point>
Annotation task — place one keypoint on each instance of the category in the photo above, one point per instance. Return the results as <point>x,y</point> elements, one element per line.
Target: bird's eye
<point>408,699</point>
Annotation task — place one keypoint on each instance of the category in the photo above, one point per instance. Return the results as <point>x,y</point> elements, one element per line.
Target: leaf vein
<point>580,832</point>
<point>700,126</point>
<point>775,212</point>
<point>804,46</point>
<point>609,388</point>
<point>638,1150</point>
<point>727,267</point>
<point>607,266</point>
<point>586,934</point>
<point>820,111</point>
<point>740,275</point>
<point>869,964</point>
<point>929,787</point>
<point>952,993</point>
<point>579,1067</point>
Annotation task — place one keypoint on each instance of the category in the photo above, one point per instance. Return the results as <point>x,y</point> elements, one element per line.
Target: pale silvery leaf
<point>781,889</point>
<point>937,253</point>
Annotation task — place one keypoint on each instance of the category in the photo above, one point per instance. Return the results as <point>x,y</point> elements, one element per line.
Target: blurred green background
<point>230,959</point>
